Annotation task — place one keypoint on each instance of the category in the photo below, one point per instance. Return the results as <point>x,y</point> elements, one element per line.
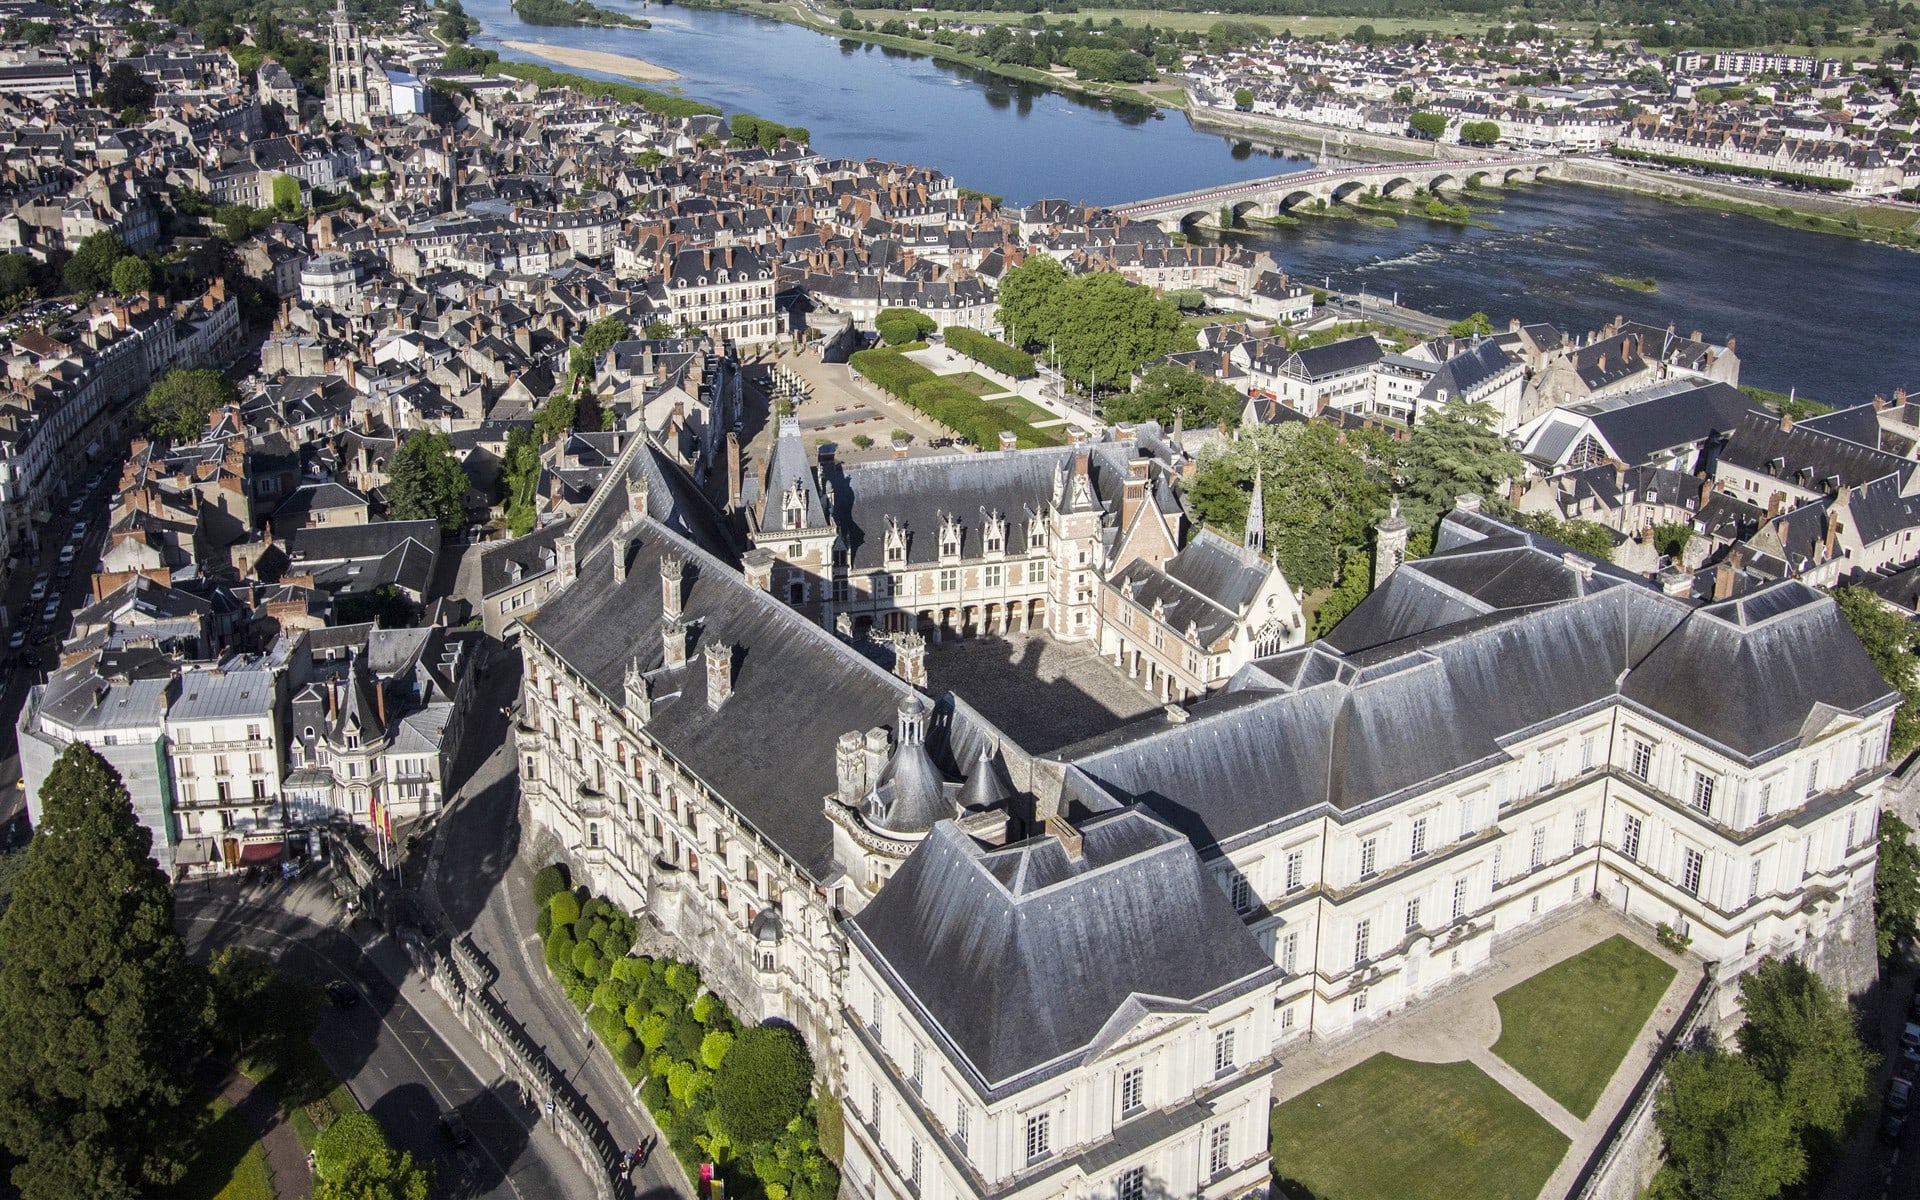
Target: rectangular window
<point>950,579</point>
<point>1589,752</point>
<point>1037,571</point>
<point>1359,1002</point>
<point>1240,892</point>
<point>1460,898</point>
<point>873,1103</point>
<point>1296,866</point>
<point>1219,1150</point>
<point>1132,1184</point>
<point>1133,1090</point>
<point>993,575</point>
<point>1766,799</point>
<point>1703,792</point>
<point>1539,852</point>
<point>1641,764</point>
<point>1223,1060</point>
<point>1549,771</point>
<point>961,1120</point>
<point>1630,838</point>
<point>1466,818</point>
<point>1496,866</point>
<point>1413,914</point>
<point>1813,779</point>
<point>1286,1017</point>
<point>1690,872</point>
<point>913,1167</point>
<point>1418,845</point>
<point>1362,939</point>
<point>1369,856</point>
<point>1580,830</point>
<point>1852,825</point>
<point>1753,883</point>
<point>1039,1136</point>
<point>919,1073</point>
<point>1289,952</point>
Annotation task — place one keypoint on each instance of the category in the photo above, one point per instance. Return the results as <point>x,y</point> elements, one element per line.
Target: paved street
<point>1871,1168</point>
<point>400,1051</point>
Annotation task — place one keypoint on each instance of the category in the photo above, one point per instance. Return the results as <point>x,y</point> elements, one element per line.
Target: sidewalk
<point>286,1158</point>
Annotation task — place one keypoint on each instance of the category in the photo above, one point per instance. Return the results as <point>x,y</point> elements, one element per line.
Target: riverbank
<point>596,60</point>
<point>1354,144</point>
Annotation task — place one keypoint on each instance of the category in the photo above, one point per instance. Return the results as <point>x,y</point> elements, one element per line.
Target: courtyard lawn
<point>227,1162</point>
<point>1568,1027</point>
<point>1389,1129</point>
<point>979,385</point>
<point>1021,407</point>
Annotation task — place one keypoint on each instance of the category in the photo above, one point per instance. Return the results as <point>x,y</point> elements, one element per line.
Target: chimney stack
<point>1133,491</point>
<point>672,566</point>
<point>1786,422</point>
<point>910,658</point>
<point>733,469</point>
<point>1069,838</point>
<point>757,564</point>
<point>719,658</point>
<point>1467,502</point>
<point>850,768</point>
<point>1009,441</point>
<point>673,643</point>
<point>1723,580</point>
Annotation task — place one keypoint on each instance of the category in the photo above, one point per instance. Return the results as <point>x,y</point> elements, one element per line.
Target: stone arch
<point>1477,180</point>
<point>1292,199</point>
<point>1443,182</point>
<point>1342,191</point>
<point>1249,208</point>
<point>1198,216</point>
<point>1513,173</point>
<point>1395,184</point>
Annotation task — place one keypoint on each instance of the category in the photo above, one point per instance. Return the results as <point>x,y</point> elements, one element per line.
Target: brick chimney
<point>1786,422</point>
<point>672,566</point>
<point>1009,441</point>
<point>1133,492</point>
<point>733,469</point>
<point>1062,831</point>
<point>757,564</point>
<point>1723,580</point>
<point>1467,502</point>
<point>719,658</point>
<point>673,643</point>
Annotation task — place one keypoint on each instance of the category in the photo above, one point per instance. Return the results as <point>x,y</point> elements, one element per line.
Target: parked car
<point>17,639</point>
<point>342,994</point>
<point>76,504</point>
<point>455,1128</point>
<point>1899,1095</point>
<point>39,591</point>
<point>67,552</point>
<point>79,530</point>
<point>1892,1126</point>
<point>50,613</point>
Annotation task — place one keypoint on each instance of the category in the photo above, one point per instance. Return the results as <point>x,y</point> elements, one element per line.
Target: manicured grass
<point>1022,408</point>
<point>227,1163</point>
<point>978,384</point>
<point>1390,1129</point>
<point>306,1087</point>
<point>1568,1027</point>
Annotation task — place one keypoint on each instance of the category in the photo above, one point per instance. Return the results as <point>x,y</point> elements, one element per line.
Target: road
<point>1872,1170</point>
<point>479,881</point>
<point>402,1067</point>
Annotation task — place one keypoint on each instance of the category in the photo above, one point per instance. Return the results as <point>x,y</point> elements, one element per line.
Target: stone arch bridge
<point>1275,195</point>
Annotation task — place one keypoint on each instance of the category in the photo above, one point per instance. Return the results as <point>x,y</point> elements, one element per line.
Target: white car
<point>39,591</point>
<point>50,613</point>
<point>17,639</point>
<point>67,552</point>
<point>79,530</point>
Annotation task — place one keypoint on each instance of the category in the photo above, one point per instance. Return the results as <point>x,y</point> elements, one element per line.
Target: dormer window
<point>796,507</point>
<point>896,547</point>
<point>1036,534</point>
<point>950,538</point>
<point>995,536</point>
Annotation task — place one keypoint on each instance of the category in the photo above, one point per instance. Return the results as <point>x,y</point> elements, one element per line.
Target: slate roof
<point>1807,456</point>
<point>1496,634</point>
<point>1021,956</point>
<point>796,688</point>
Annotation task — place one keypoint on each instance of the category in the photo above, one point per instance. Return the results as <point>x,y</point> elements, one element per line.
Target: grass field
<point>228,1163</point>
<point>1023,408</point>
<point>1390,1129</point>
<point>1203,21</point>
<point>978,384</point>
<point>1568,1027</point>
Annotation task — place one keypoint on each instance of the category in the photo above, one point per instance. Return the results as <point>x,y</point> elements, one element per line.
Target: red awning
<point>260,852</point>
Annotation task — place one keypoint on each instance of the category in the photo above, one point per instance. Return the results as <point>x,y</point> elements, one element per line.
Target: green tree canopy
<point>1478,323</point>
<point>101,1014</point>
<point>426,483</point>
<point>1896,884</point>
<point>1167,389</point>
<point>1801,1037</point>
<point>1728,1136</point>
<point>600,337</point>
<point>1098,327</point>
<point>1427,124</point>
<point>90,270</point>
<point>125,87</point>
<point>1027,307</point>
<point>1889,641</point>
<point>897,326</point>
<point>176,407</point>
<point>382,1175</point>
<point>1321,496</point>
<point>1588,537</point>
<point>255,1004</point>
<point>762,1084</point>
<point>286,196</point>
<point>1243,99</point>
<point>352,1137</point>
<point>131,276</point>
<point>1454,450</point>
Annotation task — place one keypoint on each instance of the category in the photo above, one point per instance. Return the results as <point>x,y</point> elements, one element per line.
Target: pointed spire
<point>1256,536</point>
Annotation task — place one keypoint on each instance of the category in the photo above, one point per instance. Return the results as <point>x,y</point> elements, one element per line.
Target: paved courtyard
<point>1044,692</point>
<point>1462,1025</point>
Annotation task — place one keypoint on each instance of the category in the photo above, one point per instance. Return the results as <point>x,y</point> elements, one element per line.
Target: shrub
<point>654,1094</point>
<point>559,951</point>
<point>763,1084</point>
<point>630,1056</point>
<point>548,882</point>
<point>543,923</point>
<point>713,1049</point>
<point>898,326</point>
<point>652,1029</point>
<point>565,907</point>
<point>703,1005</point>
<point>889,371</point>
<point>991,352</point>
<point>352,1138</point>
<point>684,979</point>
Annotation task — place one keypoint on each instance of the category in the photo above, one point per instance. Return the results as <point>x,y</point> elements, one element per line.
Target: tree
<point>763,1083</point>
<point>1403,95</point>
<point>1026,300</point>
<point>1428,125</point>
<point>898,326</point>
<point>1454,450</point>
<point>132,276</point>
<point>100,1012</point>
<point>90,270</point>
<point>1169,389</point>
<point>351,1138</point>
<point>600,337</point>
<point>286,196</point>
<point>1479,324</point>
<point>1896,884</point>
<point>125,87</point>
<point>176,407</point>
<point>1588,537</point>
<point>1356,580</point>
<point>1889,642</point>
<point>1708,95</point>
<point>426,483</point>
<point>1728,1136</point>
<point>1104,327</point>
<point>19,279</point>
<point>1243,99</point>
<point>1321,496</point>
<point>254,1004</point>
<point>1801,1038</point>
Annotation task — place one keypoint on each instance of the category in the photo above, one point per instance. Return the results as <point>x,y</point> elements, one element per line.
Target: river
<point>1835,318</point>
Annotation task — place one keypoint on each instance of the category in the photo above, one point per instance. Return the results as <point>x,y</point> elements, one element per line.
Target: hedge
<point>990,352</point>
<point>889,371</point>
<point>945,401</point>
<point>1821,183</point>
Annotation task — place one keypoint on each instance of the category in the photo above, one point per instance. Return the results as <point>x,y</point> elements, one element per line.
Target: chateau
<point>1071,972</point>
